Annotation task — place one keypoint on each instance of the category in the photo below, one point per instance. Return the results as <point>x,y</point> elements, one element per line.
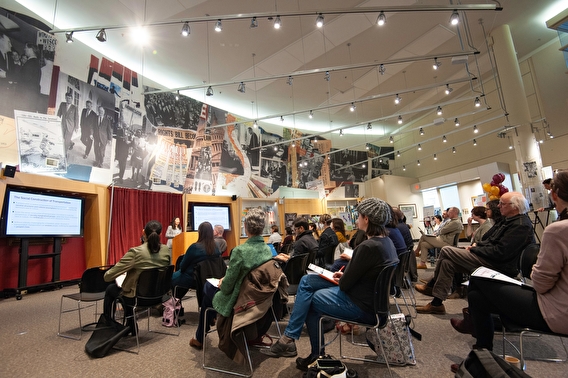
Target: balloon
<point>486,187</point>
<point>502,176</point>
<point>493,183</point>
<point>492,197</point>
<point>495,190</point>
<point>497,178</point>
<point>503,189</point>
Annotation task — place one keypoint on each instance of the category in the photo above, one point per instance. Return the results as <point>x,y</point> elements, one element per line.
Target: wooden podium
<point>181,242</point>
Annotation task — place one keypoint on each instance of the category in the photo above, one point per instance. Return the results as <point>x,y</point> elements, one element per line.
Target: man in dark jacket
<point>305,241</point>
<point>500,251</point>
<point>327,243</point>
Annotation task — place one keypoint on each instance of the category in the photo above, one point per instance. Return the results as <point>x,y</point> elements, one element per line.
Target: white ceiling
<point>240,53</point>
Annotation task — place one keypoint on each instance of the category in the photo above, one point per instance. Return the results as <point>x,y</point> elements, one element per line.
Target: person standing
<point>29,77</point>
<point>69,120</point>
<point>7,67</point>
<point>88,123</point>
<point>253,150</point>
<point>174,229</point>
<point>102,135</point>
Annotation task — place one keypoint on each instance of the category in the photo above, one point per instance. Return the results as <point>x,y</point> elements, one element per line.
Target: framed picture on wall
<point>409,210</point>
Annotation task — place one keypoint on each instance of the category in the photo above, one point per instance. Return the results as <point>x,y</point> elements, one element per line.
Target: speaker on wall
<point>234,197</point>
<point>10,171</point>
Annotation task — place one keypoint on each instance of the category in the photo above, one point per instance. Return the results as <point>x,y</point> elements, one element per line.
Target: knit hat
<point>376,210</point>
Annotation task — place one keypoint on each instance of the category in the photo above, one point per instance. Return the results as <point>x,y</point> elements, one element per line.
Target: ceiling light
<point>397,99</point>
<point>439,110</point>
<point>319,21</point>
<point>404,167</point>
<point>457,122</point>
<point>277,22</point>
<point>185,31</point>
<point>69,37</point>
<point>382,19</point>
<point>311,115</point>
<point>476,102</point>
<point>315,139</point>
<point>453,150</point>
<point>421,131</point>
<point>418,163</point>
<point>340,132</point>
<point>255,124</point>
<point>293,144</point>
<point>366,146</point>
<point>455,18</point>
<point>177,96</point>
<point>435,157</point>
<point>391,140</point>
<point>209,91</point>
<point>475,129</point>
<point>382,69</point>
<point>474,142</point>
<point>102,35</point>
<point>399,120</point>
<point>549,134</point>
<point>397,153</point>
<point>218,26</point>
<point>275,148</point>
<point>242,87</point>
<point>369,126</point>
<point>444,139</point>
<point>281,118</point>
<point>253,23</point>
<point>352,107</point>
<point>419,147</point>
<point>290,80</point>
<point>448,89</point>
<point>436,64</point>
<point>327,76</point>
<point>363,165</point>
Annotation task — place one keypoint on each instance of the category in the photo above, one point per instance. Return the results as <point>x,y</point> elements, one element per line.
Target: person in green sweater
<point>244,258</point>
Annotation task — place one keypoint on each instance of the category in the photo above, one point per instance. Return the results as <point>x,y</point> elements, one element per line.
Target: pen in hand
<point>341,269</point>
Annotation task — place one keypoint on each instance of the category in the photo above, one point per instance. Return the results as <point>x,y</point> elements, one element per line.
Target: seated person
<point>338,226</point>
<point>543,308</point>
<point>352,297</point>
<point>305,242</point>
<point>288,239</point>
<point>275,237</point>
<point>408,240</point>
<point>500,251</point>
<point>243,259</point>
<point>478,214</point>
<point>445,237</point>
<point>151,254</point>
<point>220,242</point>
<point>202,249</point>
<point>326,243</point>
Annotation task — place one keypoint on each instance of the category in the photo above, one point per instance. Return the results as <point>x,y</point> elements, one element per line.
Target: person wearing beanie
<point>351,296</point>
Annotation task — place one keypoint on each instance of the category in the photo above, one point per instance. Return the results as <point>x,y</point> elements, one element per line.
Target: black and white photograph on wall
<point>129,130</point>
<point>26,65</point>
<point>250,142</point>
<point>275,171</point>
<point>348,166</point>
<point>289,219</point>
<point>380,157</point>
<point>273,147</point>
<point>352,191</point>
<point>172,110</point>
<point>230,158</point>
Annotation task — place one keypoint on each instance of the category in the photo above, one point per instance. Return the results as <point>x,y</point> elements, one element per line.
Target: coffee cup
<point>513,361</point>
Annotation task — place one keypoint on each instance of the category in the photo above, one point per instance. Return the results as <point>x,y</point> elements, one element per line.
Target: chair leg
<point>66,311</point>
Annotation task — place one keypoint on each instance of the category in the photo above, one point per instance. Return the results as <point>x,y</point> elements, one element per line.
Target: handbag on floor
<point>396,341</point>
<point>329,367</point>
<point>481,363</point>
<point>105,336</point>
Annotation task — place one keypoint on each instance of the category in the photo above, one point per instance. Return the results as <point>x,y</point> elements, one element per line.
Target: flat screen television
<point>212,213</point>
<point>29,214</point>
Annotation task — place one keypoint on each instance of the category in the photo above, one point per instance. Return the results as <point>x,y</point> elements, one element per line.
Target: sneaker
<point>304,363</point>
<point>279,349</point>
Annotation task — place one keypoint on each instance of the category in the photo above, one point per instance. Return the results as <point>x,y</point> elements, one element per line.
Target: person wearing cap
<point>351,297</point>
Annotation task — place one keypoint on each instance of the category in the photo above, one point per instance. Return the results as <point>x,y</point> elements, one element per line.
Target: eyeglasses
<point>504,203</point>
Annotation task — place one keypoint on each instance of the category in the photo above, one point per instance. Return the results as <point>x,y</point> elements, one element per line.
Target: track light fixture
<point>277,22</point>
<point>391,140</point>
<point>327,76</point>
<point>399,120</point>
<point>419,147</point>
<point>366,146</point>
<point>435,157</point>
<point>242,87</point>
<point>404,167</point>
<point>474,142</point>
<point>475,129</point>
<point>382,19</point>
<point>444,139</point>
<point>476,102</point>
<point>436,64</point>
<point>340,132</point>
<point>510,144</point>
<point>397,99</point>
<point>311,115</point>
<point>382,69</point>
<point>397,153</point>
<point>69,37</point>
<point>439,110</point>
<point>209,91</point>
<point>418,163</point>
<point>453,150</point>
<point>218,26</point>
<point>319,20</point>
<point>352,107</point>
<point>457,122</point>
<point>315,139</point>
<point>421,131</point>
<point>454,18</point>
<point>102,35</point>
<point>253,23</point>
<point>369,126</point>
<point>185,30</point>
<point>448,89</point>
<point>281,118</point>
<point>275,148</point>
<point>177,96</point>
<point>255,124</point>
<point>290,80</point>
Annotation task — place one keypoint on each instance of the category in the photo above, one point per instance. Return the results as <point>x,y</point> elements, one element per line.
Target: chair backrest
<point>382,291</point>
<point>287,248</point>
<point>212,267</point>
<point>528,259</point>
<point>153,284</point>
<point>404,260</point>
<point>178,263</point>
<point>92,280</point>
<point>296,268</point>
<point>276,247</point>
<point>456,239</point>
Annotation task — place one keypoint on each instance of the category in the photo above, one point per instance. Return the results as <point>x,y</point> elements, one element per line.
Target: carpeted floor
<point>30,346</point>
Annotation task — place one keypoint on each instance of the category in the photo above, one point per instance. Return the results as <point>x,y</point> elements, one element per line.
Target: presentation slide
<point>31,214</point>
<point>212,214</point>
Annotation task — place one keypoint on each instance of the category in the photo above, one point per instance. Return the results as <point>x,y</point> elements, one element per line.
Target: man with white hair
<point>500,250</point>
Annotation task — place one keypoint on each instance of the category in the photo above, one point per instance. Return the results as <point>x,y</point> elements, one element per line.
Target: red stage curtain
<point>131,210</point>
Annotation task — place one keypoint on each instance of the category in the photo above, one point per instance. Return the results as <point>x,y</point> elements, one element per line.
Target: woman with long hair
<point>174,229</point>
<point>202,249</point>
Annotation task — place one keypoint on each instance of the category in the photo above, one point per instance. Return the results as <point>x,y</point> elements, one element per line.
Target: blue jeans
<point>315,297</point>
